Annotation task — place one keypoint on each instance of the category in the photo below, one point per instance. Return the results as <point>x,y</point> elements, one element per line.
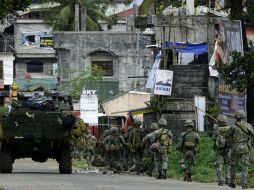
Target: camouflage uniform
<point>222,150</point>
<point>149,154</point>
<point>89,148</point>
<point>135,144</point>
<point>102,145</point>
<point>77,137</point>
<point>241,134</point>
<point>188,146</point>
<point>114,145</point>
<point>162,139</point>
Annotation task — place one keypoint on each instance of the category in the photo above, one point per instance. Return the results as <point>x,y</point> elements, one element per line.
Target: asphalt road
<point>29,175</point>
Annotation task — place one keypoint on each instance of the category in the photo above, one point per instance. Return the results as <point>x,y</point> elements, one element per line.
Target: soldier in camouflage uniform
<point>135,144</point>
<point>149,154</point>
<point>188,146</point>
<point>241,134</point>
<point>114,146</point>
<point>162,139</point>
<point>222,150</point>
<point>102,145</point>
<point>77,137</point>
<point>90,144</point>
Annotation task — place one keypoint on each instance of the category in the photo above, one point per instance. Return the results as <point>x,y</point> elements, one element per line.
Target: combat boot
<point>232,185</point>
<point>185,177</point>
<point>189,178</point>
<point>159,176</point>
<point>220,183</point>
<point>244,186</point>
<point>164,174</point>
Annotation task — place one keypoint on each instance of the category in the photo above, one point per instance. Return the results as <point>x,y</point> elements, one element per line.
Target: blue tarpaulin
<point>197,48</point>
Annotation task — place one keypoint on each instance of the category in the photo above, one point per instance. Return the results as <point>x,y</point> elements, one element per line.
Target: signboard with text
<point>89,107</point>
<point>163,82</point>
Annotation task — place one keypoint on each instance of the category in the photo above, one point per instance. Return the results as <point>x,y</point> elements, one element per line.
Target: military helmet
<point>240,114</point>
<point>222,119</point>
<point>162,122</point>
<point>106,132</point>
<point>153,126</point>
<point>114,130</point>
<point>137,122</point>
<point>188,123</point>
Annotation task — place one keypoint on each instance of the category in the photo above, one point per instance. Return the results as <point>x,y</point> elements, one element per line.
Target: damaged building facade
<point>115,52</point>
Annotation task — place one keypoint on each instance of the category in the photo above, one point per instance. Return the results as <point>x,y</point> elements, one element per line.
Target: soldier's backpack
<point>189,141</point>
<point>135,139</point>
<point>220,141</point>
<point>164,139</point>
<point>115,144</point>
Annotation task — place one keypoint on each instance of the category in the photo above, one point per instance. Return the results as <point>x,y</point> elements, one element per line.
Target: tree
<point>11,6</point>
<point>240,76</point>
<point>62,16</point>
<point>77,84</point>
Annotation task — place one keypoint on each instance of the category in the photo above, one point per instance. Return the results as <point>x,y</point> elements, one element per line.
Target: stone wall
<point>188,81</point>
<point>76,51</point>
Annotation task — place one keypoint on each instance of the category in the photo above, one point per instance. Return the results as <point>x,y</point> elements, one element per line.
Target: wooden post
<point>77,21</point>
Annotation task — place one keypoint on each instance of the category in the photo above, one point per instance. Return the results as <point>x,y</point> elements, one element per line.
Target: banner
<point>89,107</point>
<point>151,78</point>
<point>163,82</point>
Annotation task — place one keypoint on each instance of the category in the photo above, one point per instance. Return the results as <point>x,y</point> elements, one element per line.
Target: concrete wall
<point>188,81</point>
<point>76,50</point>
<point>26,25</point>
<point>193,29</point>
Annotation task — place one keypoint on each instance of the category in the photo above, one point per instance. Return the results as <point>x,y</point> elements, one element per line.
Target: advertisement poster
<point>42,40</point>
<point>89,107</point>
<point>163,82</point>
<point>229,39</point>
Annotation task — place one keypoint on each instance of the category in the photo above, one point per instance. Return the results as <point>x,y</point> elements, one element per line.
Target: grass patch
<point>80,163</point>
<point>204,170</point>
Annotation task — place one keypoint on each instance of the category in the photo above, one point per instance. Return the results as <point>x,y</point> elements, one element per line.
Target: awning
<point>196,48</point>
<point>136,111</point>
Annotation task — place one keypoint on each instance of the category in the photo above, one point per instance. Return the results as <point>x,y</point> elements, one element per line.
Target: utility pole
<point>136,37</point>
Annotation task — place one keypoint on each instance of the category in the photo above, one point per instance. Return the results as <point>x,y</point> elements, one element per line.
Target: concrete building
<point>35,63</point>
<point>120,55</point>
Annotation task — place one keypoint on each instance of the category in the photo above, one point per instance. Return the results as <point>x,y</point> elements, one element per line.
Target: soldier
<point>77,136</point>
<point>89,147</point>
<point>222,150</point>
<point>241,134</point>
<point>149,154</point>
<point>114,145</point>
<point>135,144</point>
<point>102,146</point>
<point>188,146</point>
<point>162,139</point>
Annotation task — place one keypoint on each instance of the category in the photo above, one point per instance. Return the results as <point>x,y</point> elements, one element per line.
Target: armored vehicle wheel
<point>65,160</point>
<point>6,161</point>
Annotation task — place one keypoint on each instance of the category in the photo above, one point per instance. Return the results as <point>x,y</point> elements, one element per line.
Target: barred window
<point>35,67</point>
<point>107,67</point>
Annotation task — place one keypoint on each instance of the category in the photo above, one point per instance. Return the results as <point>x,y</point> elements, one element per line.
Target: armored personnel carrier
<point>39,128</point>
